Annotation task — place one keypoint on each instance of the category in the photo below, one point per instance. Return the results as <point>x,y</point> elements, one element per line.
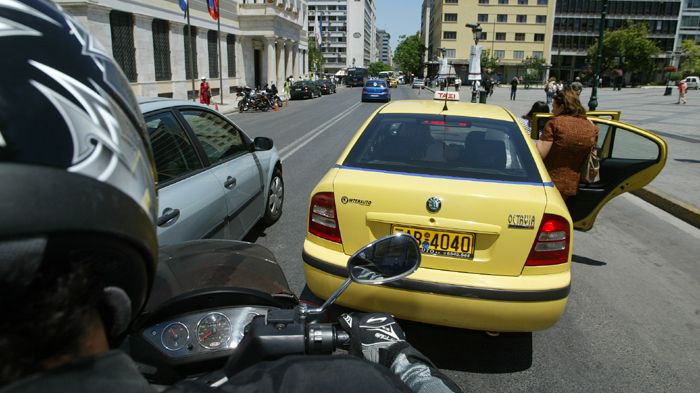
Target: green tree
<point>488,61</point>
<point>377,67</point>
<point>316,60</point>
<point>630,43</point>
<point>409,54</point>
<point>691,57</point>
<point>533,67</point>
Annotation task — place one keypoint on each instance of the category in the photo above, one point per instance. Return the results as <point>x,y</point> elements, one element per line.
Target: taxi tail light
<point>552,243</point>
<point>323,220</point>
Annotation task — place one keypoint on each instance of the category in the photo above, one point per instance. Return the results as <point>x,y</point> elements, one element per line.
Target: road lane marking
<point>292,148</point>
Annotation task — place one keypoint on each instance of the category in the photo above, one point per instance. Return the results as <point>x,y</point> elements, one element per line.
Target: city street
<point>633,317</point>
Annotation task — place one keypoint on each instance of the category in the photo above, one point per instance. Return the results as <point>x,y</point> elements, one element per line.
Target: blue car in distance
<point>376,90</point>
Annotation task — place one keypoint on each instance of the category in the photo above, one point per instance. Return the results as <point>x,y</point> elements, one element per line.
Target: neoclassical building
<point>261,41</point>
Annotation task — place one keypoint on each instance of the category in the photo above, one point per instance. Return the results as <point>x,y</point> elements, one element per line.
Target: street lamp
<point>593,102</point>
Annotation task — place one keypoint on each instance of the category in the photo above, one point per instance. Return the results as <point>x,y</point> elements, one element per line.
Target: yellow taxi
<point>467,181</point>
<point>392,82</point>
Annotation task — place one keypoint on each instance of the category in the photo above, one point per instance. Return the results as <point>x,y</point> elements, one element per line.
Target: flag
<point>183,6</point>
<point>317,31</point>
<point>213,6</point>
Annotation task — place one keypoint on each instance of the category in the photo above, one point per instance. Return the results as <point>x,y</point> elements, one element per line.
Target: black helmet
<point>76,168</point>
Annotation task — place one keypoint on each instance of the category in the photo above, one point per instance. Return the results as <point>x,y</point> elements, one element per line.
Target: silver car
<point>417,83</point>
<point>213,180</point>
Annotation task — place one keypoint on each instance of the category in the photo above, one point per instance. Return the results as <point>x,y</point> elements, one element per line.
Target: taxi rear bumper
<point>461,306</point>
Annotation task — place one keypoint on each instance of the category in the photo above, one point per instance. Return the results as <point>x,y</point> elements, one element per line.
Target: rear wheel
<point>275,199</point>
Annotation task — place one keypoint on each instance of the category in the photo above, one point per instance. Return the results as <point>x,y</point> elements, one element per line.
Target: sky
<point>398,17</point>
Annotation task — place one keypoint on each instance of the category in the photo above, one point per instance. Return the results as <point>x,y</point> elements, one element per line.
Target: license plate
<point>297,89</point>
<point>441,243</point>
<point>374,95</point>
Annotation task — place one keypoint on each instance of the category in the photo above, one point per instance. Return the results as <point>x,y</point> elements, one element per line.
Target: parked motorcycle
<point>225,305</point>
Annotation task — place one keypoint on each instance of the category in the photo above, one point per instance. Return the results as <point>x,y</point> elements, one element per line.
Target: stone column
<point>202,58</point>
<point>143,42</point>
<point>271,60</point>
<point>306,62</point>
<point>281,74</point>
<point>289,59</point>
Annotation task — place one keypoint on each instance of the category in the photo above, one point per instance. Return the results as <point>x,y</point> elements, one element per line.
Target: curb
<point>671,205</point>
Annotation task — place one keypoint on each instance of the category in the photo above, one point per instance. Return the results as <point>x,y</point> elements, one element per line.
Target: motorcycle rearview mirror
<point>384,260</point>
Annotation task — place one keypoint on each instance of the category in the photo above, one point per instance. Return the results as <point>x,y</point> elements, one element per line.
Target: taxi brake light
<point>552,243</point>
<point>323,220</point>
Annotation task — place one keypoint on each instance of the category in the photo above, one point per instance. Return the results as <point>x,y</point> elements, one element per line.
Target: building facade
<point>348,32</point>
<point>513,31</point>
<point>689,28</point>
<point>261,41</point>
<point>384,45</point>
<point>577,22</point>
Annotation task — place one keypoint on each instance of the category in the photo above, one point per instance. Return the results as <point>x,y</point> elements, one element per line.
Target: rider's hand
<point>372,334</point>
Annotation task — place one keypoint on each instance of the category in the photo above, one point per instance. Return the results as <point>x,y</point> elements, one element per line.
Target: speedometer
<point>214,331</point>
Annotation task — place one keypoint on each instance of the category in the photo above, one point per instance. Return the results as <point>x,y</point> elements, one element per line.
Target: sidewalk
<point>675,189</point>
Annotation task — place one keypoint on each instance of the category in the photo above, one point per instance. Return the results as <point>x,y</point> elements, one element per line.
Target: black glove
<point>371,335</point>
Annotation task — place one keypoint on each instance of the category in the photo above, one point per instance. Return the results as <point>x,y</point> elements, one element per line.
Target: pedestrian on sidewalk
<point>513,87</point>
<point>682,91</point>
<point>458,82</point>
<point>577,86</point>
<point>204,91</point>
<point>549,89</point>
<point>288,86</point>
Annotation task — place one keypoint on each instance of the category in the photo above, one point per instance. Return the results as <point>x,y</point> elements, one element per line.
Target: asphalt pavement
<point>633,318</point>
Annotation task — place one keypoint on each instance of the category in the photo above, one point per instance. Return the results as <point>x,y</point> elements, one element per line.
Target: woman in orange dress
<point>566,141</point>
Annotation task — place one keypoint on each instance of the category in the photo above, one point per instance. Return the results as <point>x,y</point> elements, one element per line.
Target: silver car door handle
<point>230,182</point>
<point>168,215</point>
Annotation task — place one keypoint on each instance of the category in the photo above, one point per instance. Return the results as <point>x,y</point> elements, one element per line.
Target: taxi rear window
<point>454,146</point>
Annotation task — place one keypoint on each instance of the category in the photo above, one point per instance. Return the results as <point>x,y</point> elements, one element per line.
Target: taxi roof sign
<point>446,95</point>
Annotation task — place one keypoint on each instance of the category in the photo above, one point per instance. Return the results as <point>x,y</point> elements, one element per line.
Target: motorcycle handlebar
<point>324,338</point>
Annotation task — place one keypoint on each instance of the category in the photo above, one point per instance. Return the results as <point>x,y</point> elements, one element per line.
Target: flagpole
<point>189,47</point>
<point>218,40</point>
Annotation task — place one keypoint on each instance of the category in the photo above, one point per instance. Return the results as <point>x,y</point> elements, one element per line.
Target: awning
<point>342,72</point>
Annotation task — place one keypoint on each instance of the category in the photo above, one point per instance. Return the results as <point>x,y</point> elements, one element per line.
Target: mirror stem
<point>331,299</point>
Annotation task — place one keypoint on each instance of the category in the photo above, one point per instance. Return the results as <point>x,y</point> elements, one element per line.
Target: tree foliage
<point>409,54</point>
<point>316,60</point>
<point>630,43</point>
<point>691,57</point>
<point>488,61</point>
<point>533,67</point>
<point>377,67</point>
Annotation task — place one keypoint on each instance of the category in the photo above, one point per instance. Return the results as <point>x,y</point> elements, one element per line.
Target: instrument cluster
<point>202,332</point>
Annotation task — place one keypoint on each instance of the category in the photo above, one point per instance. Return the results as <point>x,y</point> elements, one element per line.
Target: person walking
<point>566,142</point>
<point>577,86</point>
<point>682,91</point>
<point>513,87</point>
<point>204,92</point>
<point>549,89</point>
<point>458,82</point>
<point>288,87</point>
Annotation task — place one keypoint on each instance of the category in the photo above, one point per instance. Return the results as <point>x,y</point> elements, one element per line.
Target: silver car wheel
<point>276,195</point>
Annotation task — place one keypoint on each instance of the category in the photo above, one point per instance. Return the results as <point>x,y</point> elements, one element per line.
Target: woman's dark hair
<point>568,100</point>
<point>538,107</point>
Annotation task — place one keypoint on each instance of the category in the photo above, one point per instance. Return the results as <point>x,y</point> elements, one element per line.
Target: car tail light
<point>323,221</point>
<point>384,90</point>
<point>552,244</point>
<point>306,88</point>
<point>365,91</point>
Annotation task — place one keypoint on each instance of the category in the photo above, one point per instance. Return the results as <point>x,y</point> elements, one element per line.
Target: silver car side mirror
<point>384,260</point>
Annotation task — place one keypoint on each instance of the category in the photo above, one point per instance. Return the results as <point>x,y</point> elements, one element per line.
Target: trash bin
<point>482,97</point>
<point>669,91</point>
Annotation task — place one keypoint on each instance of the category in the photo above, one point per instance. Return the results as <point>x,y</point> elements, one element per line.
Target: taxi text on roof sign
<point>446,95</point>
